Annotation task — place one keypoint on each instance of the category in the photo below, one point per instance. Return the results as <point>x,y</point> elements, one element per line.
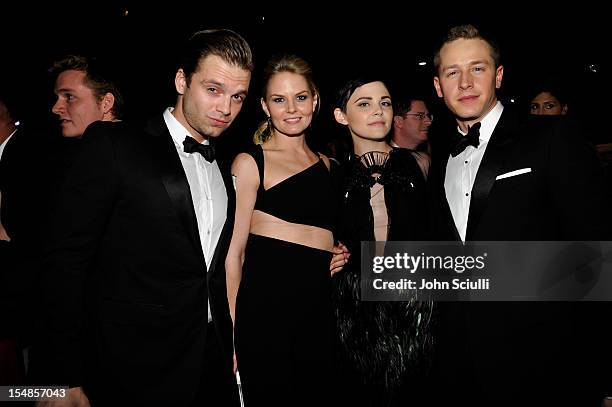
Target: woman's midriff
<point>267,225</point>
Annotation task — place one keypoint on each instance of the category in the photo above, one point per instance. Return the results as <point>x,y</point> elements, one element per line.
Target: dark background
<point>569,43</point>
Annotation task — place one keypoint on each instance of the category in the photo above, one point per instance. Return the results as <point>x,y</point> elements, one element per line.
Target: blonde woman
<point>278,265</point>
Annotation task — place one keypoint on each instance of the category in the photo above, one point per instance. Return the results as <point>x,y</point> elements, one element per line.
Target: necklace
<point>374,160</point>
<point>374,163</point>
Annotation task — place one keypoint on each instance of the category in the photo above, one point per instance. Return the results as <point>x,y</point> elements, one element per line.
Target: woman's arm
<point>246,181</point>
<point>340,252</point>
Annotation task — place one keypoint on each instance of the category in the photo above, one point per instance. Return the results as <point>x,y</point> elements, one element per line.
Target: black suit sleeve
<point>582,202</point>
<point>577,186</point>
<point>84,205</point>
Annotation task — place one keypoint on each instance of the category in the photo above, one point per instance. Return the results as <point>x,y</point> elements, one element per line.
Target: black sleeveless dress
<point>283,311</point>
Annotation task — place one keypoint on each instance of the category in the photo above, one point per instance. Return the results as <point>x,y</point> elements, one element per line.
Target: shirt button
<point>466,161</point>
<point>467,194</point>
<point>208,232</point>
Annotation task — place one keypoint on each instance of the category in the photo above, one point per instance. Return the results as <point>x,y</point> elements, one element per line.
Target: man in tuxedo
<point>499,179</point>
<point>135,281</point>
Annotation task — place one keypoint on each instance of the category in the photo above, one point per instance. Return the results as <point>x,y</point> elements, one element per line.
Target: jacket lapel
<point>502,138</point>
<point>175,181</point>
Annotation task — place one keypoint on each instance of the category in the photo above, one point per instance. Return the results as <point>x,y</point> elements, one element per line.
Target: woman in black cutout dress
<point>382,348</point>
<point>278,263</point>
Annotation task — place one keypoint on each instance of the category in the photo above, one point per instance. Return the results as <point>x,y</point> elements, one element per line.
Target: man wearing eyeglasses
<point>411,122</point>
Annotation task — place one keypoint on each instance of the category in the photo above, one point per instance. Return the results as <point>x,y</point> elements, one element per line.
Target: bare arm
<point>340,252</point>
<point>244,169</point>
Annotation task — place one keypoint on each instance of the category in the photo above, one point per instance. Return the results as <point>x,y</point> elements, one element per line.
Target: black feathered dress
<point>382,348</point>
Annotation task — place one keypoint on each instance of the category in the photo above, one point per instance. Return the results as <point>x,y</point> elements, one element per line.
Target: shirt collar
<point>176,129</point>
<point>488,123</point>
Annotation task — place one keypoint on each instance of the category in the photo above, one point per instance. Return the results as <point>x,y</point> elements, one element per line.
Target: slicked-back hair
<point>226,44</point>
<point>97,77</point>
<point>467,32</point>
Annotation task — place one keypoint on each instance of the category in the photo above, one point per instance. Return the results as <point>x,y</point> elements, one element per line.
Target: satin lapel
<point>175,181</point>
<point>228,228</point>
<point>502,138</point>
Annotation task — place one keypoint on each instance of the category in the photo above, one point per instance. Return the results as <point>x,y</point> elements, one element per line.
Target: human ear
<point>264,106</point>
<point>398,122</point>
<point>180,82</point>
<point>340,117</point>
<point>436,82</point>
<point>499,74</point>
<point>108,101</point>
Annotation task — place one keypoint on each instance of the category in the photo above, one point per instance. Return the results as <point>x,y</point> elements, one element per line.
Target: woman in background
<point>548,101</point>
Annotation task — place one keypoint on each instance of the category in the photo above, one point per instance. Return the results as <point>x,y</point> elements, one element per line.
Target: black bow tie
<point>192,146</point>
<point>470,139</point>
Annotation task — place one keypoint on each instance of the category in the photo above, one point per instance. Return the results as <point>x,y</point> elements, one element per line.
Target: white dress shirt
<point>461,171</point>
<point>207,191</point>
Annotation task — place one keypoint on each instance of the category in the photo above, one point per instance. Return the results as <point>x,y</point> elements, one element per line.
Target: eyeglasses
<point>421,116</point>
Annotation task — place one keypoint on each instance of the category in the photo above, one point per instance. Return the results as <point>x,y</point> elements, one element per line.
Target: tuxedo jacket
<point>127,284</point>
<point>538,180</point>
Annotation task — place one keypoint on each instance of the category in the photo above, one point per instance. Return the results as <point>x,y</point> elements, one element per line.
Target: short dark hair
<point>550,86</point>
<point>98,78</point>
<point>467,32</point>
<point>226,44</point>
<point>347,90</point>
<point>402,102</point>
